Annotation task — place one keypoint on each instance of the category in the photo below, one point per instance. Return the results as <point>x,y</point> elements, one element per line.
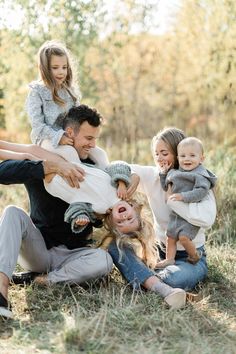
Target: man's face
<point>85,139</point>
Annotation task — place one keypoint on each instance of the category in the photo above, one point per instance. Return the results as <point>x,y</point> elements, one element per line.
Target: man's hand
<point>133,185</point>
<point>177,197</point>
<point>72,173</point>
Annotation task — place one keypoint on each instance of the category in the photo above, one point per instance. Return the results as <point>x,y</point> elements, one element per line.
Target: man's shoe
<point>176,299</point>
<point>23,278</point>
<point>5,307</point>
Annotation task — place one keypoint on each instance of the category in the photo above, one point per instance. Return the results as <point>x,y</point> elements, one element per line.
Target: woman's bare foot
<point>81,221</point>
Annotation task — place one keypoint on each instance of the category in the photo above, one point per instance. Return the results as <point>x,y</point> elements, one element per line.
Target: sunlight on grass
<point>108,317</point>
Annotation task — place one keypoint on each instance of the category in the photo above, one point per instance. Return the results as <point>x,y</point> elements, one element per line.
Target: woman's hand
<point>133,185</point>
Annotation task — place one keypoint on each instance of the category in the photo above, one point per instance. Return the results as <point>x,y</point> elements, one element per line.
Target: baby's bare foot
<point>81,221</point>
<point>164,263</point>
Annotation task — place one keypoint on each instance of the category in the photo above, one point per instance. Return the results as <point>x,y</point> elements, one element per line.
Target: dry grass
<point>108,317</point>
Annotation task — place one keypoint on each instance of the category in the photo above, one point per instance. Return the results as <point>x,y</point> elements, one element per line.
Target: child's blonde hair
<point>45,53</point>
<point>142,241</point>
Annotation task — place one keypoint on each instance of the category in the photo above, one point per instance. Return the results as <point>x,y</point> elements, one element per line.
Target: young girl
<point>52,95</point>
<point>100,196</point>
<point>142,240</point>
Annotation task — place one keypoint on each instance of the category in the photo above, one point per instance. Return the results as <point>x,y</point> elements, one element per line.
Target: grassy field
<point>108,317</point>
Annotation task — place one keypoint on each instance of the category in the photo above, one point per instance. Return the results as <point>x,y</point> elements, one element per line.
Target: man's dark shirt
<point>46,211</point>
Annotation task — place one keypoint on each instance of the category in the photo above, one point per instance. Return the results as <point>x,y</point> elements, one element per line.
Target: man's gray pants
<point>21,242</point>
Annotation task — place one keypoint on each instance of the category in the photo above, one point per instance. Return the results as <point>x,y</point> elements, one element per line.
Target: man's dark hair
<point>77,115</point>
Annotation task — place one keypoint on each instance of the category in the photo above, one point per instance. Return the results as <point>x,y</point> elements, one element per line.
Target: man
<point>43,242</point>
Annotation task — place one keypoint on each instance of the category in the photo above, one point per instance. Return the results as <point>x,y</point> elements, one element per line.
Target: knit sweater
<point>43,112</point>
<point>193,185</point>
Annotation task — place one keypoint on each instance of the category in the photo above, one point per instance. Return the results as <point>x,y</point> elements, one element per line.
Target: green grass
<point>108,317</point>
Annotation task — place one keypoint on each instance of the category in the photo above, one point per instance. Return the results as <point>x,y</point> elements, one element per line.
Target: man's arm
<point>53,163</point>
<point>17,172</point>
<point>69,171</point>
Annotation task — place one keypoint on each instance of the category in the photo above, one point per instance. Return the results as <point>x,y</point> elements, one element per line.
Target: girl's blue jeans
<point>180,275</point>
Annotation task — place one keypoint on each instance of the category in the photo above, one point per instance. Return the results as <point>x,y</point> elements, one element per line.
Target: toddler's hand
<point>66,141</point>
<point>122,190</point>
<point>176,197</point>
<point>82,220</point>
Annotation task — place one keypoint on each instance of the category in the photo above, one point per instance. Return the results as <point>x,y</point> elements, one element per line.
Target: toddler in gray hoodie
<point>189,183</point>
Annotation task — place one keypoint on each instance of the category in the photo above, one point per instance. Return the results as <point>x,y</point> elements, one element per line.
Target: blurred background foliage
<point>139,78</point>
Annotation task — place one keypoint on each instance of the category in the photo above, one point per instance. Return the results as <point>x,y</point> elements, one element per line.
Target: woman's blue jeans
<point>180,275</point>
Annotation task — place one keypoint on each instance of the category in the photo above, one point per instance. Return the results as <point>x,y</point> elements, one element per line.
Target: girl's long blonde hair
<point>44,59</point>
<point>144,235</point>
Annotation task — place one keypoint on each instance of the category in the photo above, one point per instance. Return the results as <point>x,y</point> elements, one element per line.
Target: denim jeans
<point>180,275</point>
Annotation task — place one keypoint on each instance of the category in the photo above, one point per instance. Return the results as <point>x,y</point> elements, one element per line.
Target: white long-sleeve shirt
<point>201,214</point>
<point>96,189</point>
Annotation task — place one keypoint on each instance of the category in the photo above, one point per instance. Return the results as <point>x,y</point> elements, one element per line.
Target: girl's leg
<point>183,274</point>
